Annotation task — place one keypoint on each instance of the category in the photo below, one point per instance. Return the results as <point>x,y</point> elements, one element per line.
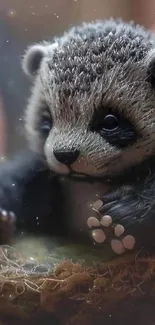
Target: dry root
<point>73,288</point>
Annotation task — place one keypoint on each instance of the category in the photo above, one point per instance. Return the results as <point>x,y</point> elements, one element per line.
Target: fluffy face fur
<point>93,91</point>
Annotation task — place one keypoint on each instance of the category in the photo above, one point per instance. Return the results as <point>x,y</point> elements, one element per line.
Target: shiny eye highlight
<point>110,122</point>
<point>113,127</point>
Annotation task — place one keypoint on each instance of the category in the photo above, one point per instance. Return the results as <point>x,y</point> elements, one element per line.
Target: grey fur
<point>93,65</point>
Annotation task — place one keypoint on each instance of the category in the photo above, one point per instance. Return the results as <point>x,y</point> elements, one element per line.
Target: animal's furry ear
<point>150,61</point>
<point>33,58</point>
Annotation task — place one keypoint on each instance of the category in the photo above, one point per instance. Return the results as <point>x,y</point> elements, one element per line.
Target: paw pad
<point>128,242</point>
<point>119,230</point>
<point>97,205</point>
<point>93,222</point>
<point>106,221</point>
<point>103,230</point>
<point>117,246</point>
<point>99,235</point>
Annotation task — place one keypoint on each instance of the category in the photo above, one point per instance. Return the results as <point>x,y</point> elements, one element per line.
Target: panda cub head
<point>92,107</point>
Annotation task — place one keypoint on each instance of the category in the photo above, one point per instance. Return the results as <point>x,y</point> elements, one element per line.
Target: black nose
<point>66,157</point>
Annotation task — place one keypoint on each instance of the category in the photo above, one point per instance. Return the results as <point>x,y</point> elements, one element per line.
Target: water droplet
<point>10,83</point>
<point>57,16</point>
<point>12,13</point>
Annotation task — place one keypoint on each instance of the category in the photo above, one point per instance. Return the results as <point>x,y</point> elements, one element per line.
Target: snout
<point>66,157</point>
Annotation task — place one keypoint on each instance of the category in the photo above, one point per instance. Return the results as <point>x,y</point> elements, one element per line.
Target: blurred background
<point>25,22</point>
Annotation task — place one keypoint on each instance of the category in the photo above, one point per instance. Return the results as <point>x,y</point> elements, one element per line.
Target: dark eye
<point>45,123</point>
<point>114,128</point>
<point>110,122</point>
<point>45,126</point>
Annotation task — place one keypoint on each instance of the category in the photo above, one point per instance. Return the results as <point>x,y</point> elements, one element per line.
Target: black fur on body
<point>93,94</point>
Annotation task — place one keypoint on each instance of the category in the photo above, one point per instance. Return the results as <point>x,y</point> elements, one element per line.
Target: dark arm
<point>28,189</point>
<point>132,204</point>
<point>126,214</point>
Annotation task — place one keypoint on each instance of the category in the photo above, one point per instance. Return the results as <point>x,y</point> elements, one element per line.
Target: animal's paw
<point>110,219</point>
<point>7,224</point>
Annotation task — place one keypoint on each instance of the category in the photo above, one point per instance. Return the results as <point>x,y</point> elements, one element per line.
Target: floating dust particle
<point>12,13</point>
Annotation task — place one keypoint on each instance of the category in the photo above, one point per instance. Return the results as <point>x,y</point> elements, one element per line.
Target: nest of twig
<point>73,291</point>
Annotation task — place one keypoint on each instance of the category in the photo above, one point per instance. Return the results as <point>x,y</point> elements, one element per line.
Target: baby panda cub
<point>90,119</point>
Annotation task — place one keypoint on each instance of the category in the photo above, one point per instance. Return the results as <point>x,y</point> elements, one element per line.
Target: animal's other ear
<point>150,61</point>
<point>33,58</point>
